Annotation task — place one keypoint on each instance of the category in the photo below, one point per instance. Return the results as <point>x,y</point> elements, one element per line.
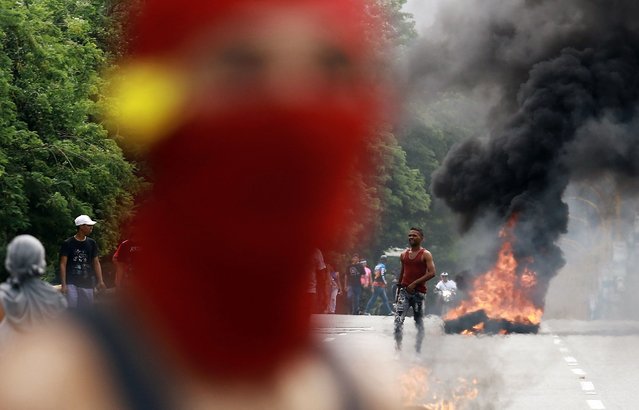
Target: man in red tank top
<point>417,267</point>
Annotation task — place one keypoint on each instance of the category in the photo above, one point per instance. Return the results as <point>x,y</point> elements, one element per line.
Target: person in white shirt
<point>444,300</point>
<point>445,283</point>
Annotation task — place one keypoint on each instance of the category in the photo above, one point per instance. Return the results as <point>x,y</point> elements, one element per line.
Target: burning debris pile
<point>567,77</point>
<point>501,299</point>
<point>479,322</point>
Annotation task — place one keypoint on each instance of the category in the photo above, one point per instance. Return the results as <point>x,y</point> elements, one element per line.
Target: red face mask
<point>240,199</point>
<point>238,204</point>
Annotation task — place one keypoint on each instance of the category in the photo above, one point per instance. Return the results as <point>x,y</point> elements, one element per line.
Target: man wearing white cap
<point>445,283</point>
<point>80,265</point>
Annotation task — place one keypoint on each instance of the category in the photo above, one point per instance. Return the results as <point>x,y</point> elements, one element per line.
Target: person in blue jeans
<point>354,272</point>
<point>379,287</point>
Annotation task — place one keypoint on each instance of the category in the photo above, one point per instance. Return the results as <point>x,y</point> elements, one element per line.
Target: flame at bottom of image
<point>422,391</point>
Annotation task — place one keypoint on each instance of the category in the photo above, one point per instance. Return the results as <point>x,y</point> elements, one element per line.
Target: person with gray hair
<point>25,299</point>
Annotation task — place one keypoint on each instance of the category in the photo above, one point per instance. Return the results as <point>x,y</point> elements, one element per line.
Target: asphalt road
<point>568,365</point>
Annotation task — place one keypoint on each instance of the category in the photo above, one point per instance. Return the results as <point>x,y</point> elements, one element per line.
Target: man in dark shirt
<point>354,272</point>
<point>80,266</point>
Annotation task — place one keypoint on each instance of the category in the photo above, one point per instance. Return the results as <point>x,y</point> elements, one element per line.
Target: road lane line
<point>578,372</point>
<point>595,404</point>
<point>570,360</point>
<point>587,387</point>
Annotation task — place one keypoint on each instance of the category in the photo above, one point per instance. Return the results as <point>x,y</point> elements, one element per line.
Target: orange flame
<point>501,292</point>
<point>414,385</point>
<point>419,391</point>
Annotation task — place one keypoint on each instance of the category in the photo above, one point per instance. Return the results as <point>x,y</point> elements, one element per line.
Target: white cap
<point>444,273</point>
<point>84,220</point>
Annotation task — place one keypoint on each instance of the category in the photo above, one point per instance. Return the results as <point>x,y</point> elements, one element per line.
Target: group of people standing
<point>359,278</point>
<point>326,284</point>
<point>26,300</point>
<point>80,268</point>
<point>417,267</point>
<point>81,275</point>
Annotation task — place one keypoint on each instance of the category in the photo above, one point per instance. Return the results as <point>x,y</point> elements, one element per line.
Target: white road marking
<point>587,387</point>
<point>570,360</point>
<point>341,334</point>
<point>578,372</point>
<point>595,404</point>
<point>329,339</point>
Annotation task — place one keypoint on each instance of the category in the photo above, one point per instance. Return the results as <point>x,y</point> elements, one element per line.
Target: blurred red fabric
<point>241,199</point>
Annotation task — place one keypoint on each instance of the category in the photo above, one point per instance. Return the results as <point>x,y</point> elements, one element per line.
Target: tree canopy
<point>56,159</point>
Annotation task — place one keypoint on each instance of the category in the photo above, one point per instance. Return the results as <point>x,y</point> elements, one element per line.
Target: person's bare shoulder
<point>54,366</point>
<point>427,255</point>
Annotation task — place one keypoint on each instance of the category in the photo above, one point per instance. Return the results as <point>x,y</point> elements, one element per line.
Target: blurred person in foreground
<point>240,103</point>
<point>25,299</point>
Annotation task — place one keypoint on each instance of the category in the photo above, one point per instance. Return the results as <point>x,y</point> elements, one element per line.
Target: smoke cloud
<point>566,76</point>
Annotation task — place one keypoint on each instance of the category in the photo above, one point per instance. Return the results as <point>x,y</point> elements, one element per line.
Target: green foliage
<point>435,129</point>
<point>398,26</point>
<point>403,195</point>
<point>56,160</point>
<point>396,198</point>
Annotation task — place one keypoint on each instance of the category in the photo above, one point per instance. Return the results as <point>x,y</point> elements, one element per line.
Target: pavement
<point>569,364</point>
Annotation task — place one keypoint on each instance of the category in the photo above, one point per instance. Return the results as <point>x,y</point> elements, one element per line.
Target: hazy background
<point>486,51</point>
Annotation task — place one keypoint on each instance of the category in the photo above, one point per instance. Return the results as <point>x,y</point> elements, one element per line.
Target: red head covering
<point>164,26</point>
<point>240,200</point>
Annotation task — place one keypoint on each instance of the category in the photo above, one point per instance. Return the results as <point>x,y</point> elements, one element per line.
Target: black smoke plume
<point>567,74</point>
